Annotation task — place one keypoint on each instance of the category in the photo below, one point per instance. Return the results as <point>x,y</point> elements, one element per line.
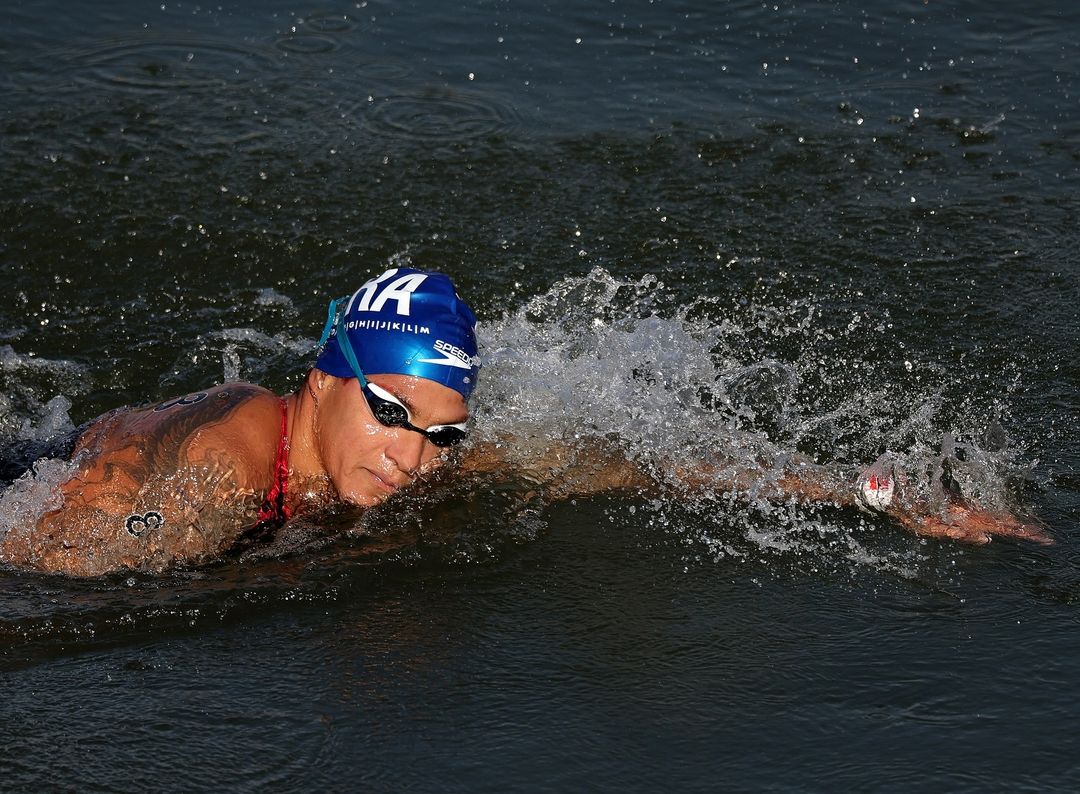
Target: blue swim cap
<point>405,322</point>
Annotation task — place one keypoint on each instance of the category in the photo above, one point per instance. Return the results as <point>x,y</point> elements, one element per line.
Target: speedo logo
<point>452,356</point>
<point>375,293</point>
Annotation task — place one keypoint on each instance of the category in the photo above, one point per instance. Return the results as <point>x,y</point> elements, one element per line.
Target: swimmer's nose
<point>407,451</point>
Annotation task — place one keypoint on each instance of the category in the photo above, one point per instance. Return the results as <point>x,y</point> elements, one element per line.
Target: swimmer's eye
<point>385,407</point>
<point>390,412</point>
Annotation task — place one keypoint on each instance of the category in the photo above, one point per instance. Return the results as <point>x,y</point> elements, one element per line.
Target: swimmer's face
<point>366,460</point>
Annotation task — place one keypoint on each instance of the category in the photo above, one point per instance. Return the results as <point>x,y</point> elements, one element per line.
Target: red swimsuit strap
<point>274,507</point>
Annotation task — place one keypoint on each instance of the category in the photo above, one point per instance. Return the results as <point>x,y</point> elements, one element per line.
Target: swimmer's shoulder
<point>215,402</point>
<point>239,423</point>
<point>236,425</point>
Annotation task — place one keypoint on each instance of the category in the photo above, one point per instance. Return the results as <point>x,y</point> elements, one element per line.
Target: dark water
<point>840,229</point>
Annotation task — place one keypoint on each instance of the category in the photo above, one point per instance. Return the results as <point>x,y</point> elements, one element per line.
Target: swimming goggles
<point>385,407</point>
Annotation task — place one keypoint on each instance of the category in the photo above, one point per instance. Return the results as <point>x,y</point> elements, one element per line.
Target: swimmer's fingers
<point>1034,533</point>
<point>996,524</point>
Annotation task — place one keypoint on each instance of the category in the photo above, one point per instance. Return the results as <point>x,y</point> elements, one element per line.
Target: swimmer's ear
<point>316,381</point>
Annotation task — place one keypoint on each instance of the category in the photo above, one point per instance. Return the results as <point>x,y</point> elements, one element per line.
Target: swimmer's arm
<point>178,488</point>
<point>560,470</point>
<point>98,536</point>
<point>110,520</point>
<point>797,477</point>
<point>838,486</point>
<point>566,471</point>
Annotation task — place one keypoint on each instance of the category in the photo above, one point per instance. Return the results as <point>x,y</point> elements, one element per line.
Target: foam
<point>33,494</point>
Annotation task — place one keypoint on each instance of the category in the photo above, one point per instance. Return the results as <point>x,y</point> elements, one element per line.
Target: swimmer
<point>190,479</point>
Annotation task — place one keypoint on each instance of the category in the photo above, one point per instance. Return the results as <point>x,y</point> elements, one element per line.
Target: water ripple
<point>382,70</point>
<point>326,22</point>
<point>307,43</point>
<point>438,114</point>
<point>315,34</point>
<point>173,64</point>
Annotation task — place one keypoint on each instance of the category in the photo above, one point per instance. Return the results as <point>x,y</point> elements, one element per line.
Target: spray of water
<point>670,385</point>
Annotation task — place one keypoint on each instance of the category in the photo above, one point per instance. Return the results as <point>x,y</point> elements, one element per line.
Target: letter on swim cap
<point>400,290</point>
<point>368,289</point>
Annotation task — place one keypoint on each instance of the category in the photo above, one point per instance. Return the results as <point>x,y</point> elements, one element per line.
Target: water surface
<point>682,224</point>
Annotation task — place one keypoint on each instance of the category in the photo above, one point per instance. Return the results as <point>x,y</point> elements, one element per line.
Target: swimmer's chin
<point>372,491</point>
<point>363,500</point>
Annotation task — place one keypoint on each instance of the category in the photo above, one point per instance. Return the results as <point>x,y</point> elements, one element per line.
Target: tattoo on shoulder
<point>190,399</point>
<point>162,448</point>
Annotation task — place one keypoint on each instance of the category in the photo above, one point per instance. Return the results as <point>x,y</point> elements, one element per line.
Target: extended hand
<point>969,524</point>
<point>883,488</point>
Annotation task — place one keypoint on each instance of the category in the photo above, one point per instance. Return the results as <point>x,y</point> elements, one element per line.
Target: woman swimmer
<point>192,478</point>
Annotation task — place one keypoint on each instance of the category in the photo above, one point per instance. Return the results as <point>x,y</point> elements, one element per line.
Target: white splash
<point>673,383</point>
<point>33,494</point>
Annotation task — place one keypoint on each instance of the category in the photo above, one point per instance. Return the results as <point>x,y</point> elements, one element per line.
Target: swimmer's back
<point>179,481</point>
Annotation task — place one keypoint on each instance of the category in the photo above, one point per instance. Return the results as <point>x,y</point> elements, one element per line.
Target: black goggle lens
<point>386,412</point>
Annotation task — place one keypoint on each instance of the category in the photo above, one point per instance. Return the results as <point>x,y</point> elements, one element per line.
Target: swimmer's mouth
<point>384,484</point>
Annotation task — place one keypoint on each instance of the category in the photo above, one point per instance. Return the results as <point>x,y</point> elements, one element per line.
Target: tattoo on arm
<point>136,524</point>
<point>164,447</point>
<point>190,399</point>
<point>152,496</point>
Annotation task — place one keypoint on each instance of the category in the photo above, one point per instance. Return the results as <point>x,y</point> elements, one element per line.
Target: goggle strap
<point>346,350</point>
<point>331,315</point>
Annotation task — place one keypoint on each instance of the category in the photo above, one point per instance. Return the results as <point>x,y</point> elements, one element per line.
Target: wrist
<point>876,486</point>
